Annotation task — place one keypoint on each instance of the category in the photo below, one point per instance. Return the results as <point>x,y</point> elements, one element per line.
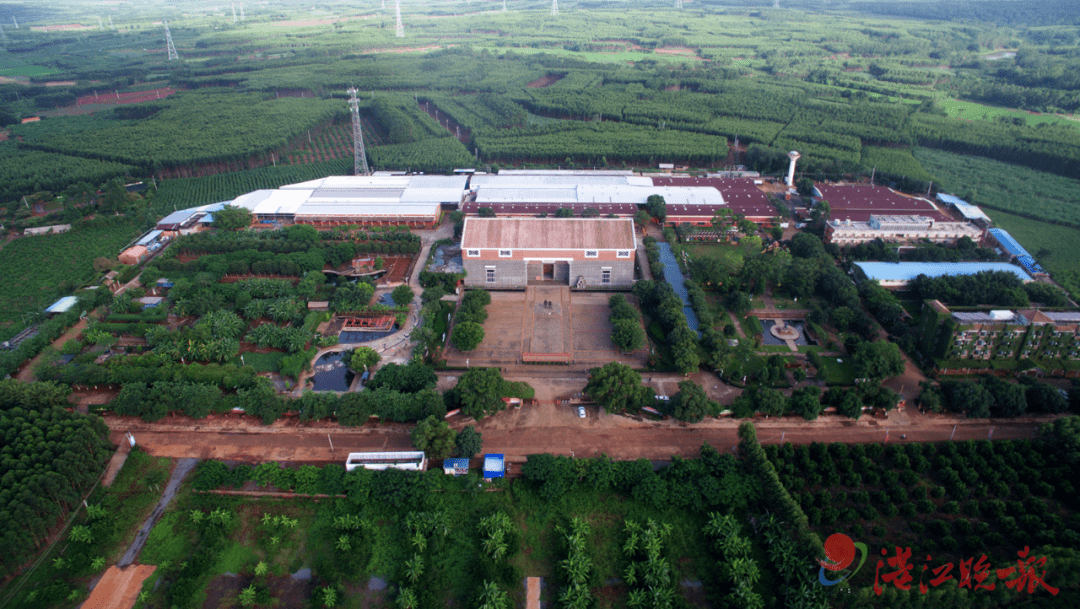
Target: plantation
<point>44,268</point>
<point>952,501</point>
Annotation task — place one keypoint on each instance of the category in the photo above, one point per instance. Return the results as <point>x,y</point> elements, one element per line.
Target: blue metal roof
<point>494,466</point>
<point>150,236</point>
<point>906,271</point>
<point>1006,240</point>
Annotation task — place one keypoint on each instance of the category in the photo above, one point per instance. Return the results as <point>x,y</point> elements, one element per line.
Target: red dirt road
<point>532,430</point>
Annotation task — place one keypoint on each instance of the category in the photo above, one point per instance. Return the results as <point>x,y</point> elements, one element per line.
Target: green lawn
<point>837,372</point>
<point>262,362</point>
<point>974,111</point>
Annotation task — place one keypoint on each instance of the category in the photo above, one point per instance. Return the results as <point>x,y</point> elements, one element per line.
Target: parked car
<point>581,412</point>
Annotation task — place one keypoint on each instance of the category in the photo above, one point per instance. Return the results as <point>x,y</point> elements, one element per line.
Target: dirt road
<point>550,428</point>
<point>182,469</point>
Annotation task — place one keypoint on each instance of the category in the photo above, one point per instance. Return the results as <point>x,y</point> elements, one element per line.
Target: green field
<point>41,269</point>
<point>974,111</point>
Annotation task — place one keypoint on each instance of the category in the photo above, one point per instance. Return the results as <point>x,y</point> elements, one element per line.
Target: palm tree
<point>247,596</point>
<point>343,543</point>
<point>329,597</point>
<point>414,568</point>
<point>406,599</point>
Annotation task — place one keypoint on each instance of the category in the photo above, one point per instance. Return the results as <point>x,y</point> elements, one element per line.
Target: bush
<point>938,492</point>
<point>907,510</point>
<point>878,531</point>
<point>467,335</point>
<point>925,506</point>
<point>950,507</point>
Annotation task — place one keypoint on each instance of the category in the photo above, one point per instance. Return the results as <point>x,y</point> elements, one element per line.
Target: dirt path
<point>182,469</point>
<point>26,375</point>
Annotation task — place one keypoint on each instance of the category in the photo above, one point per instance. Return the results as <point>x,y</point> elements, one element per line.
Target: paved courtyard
<point>547,320</point>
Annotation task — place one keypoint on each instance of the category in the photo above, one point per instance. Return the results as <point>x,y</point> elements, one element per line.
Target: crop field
<point>43,268</point>
<point>975,111</point>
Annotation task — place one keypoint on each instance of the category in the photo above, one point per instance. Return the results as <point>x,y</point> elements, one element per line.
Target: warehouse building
<point>380,200</point>
<point>857,202</point>
<point>1006,241</point>
<point>899,229</point>
<point>970,212</point>
<point>516,252</point>
<point>898,274</point>
<point>740,195</point>
<point>601,193</point>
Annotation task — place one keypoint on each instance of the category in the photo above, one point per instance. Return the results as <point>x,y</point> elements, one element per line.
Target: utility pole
<point>554,8</point>
<point>100,25</point>
<point>234,19</point>
<point>360,166</point>
<point>170,47</point>
<point>504,6</point>
<point>242,18</point>
<point>400,31</point>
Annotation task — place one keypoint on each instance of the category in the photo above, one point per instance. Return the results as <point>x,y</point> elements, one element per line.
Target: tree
<point>363,358</point>
<point>627,334</point>
<point>878,360</point>
<point>691,404</point>
<point>564,212</point>
<point>469,442</point>
<point>102,264</point>
<point>467,335</point>
<point>657,208</point>
<point>805,402</point>
<point>805,186</point>
<point>410,378</point>
<point>615,387</point>
<point>1045,398</point>
<point>485,212</point>
<point>480,391</point>
<point>739,303</point>
<point>642,218</point>
<point>232,217</point>
<point>402,295</point>
<point>434,437</point>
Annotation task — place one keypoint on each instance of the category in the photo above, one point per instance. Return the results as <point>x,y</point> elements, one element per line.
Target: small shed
<point>455,467</point>
<point>134,255</point>
<point>318,305</point>
<point>165,283</point>
<point>149,302</point>
<point>63,305</point>
<point>494,466</point>
<point>150,237</point>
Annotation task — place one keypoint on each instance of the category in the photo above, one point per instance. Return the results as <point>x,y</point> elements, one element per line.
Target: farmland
<point>61,263</point>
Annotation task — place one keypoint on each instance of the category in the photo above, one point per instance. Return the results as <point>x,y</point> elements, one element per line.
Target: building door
<point>549,272</point>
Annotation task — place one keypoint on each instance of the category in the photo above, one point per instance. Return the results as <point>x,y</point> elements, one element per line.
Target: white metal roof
<point>63,305</point>
<point>556,180</point>
<point>599,193</point>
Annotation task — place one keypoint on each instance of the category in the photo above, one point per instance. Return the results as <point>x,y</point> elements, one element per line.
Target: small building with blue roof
<point>1015,250</point>
<point>494,466</point>
<point>455,466</point>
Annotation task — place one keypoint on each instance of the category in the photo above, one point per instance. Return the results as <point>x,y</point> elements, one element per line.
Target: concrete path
<point>182,469</point>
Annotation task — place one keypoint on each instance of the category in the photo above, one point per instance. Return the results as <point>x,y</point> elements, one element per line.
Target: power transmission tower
<point>242,18</point>
<point>16,21</point>
<point>384,5</point>
<point>554,8</point>
<point>111,26</point>
<point>234,19</point>
<point>504,6</point>
<point>400,31</point>
<point>678,3</point>
<point>776,4</point>
<point>360,166</point>
<point>100,25</point>
<point>3,36</point>
<point>169,43</point>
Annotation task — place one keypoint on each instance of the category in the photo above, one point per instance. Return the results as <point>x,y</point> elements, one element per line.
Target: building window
<point>623,254</point>
<point>490,275</point>
<point>506,253</point>
<point>592,254</point>
<point>473,253</point>
<point>605,276</point>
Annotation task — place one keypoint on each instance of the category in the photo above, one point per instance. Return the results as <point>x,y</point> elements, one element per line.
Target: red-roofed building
<point>741,195</point>
<point>857,202</point>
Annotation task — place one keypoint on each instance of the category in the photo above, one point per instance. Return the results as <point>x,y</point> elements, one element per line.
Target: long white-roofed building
<point>340,200</point>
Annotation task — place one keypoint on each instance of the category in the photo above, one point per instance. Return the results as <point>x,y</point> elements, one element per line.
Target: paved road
<point>182,469</point>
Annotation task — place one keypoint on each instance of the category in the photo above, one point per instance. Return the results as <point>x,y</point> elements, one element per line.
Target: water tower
<point>794,156</point>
